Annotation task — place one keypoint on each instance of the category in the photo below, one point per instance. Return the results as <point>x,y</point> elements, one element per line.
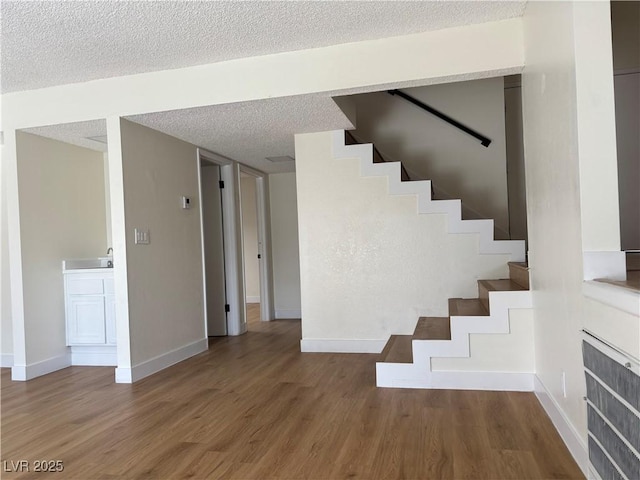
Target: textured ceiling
<point>250,131</point>
<point>247,132</point>
<point>57,42</point>
<point>75,133</point>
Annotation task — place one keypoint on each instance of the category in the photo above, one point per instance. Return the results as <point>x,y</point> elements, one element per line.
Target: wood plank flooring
<point>254,407</point>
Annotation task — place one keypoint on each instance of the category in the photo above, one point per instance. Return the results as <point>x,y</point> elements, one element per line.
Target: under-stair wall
<point>370,263</point>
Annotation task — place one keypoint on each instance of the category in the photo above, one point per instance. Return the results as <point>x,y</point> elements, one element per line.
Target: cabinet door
<point>86,319</point>
<point>110,321</point>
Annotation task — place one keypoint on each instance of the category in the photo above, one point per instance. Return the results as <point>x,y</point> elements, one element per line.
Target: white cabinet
<point>86,319</point>
<point>90,307</point>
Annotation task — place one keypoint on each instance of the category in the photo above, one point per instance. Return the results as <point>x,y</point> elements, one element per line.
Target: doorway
<point>251,247</point>
<point>257,265</point>
<point>227,192</point>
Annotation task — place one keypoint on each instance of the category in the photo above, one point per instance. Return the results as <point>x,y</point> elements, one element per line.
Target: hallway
<point>253,407</point>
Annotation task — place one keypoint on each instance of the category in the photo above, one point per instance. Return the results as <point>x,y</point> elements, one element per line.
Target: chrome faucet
<point>109,251</point>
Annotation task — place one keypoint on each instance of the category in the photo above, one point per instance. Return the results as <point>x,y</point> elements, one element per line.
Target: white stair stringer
<point>419,373</point>
<point>426,205</point>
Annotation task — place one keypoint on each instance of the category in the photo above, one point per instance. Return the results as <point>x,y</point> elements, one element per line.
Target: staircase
<point>409,361</point>
<point>406,359</point>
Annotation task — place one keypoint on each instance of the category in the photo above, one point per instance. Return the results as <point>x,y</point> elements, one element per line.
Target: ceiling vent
<point>285,158</point>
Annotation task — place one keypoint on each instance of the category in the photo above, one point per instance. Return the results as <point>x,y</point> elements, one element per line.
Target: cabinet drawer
<point>85,286</point>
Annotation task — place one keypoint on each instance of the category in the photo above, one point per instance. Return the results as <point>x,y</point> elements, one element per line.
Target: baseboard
<point>154,365</point>
<point>571,438</point>
<point>339,345</point>
<point>6,360</point>
<point>94,356</point>
<point>489,381</point>
<point>288,313</point>
<point>22,373</point>
<point>407,375</point>
<point>252,299</point>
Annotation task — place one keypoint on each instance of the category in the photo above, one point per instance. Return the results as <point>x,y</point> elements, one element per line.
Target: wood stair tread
<point>519,273</point>
<point>633,261</point>
<point>522,265</point>
<point>432,328</point>
<point>504,285</point>
<point>398,349</point>
<point>467,307</point>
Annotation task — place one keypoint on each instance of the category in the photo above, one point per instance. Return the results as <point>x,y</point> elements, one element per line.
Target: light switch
<point>142,237</point>
<point>186,203</point>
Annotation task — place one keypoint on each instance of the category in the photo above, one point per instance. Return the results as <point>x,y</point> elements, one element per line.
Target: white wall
<point>107,199</point>
<point>561,196</point>
<point>166,298</point>
<point>431,149</point>
<point>250,238</point>
<point>62,215</point>
<point>284,244</point>
<point>370,265</point>
<point>6,329</point>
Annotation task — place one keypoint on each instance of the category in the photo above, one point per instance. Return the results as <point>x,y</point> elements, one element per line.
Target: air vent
<point>285,158</point>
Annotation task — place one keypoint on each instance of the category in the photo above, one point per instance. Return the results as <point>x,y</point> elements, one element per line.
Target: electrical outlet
<point>142,237</point>
<point>564,384</point>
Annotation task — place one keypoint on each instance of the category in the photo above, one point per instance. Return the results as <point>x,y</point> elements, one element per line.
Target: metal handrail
<point>483,140</point>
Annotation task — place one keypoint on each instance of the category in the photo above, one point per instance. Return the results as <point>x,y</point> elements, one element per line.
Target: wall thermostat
<point>186,203</point>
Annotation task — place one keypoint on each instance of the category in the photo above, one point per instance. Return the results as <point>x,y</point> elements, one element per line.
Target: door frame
<point>264,242</point>
<point>231,230</point>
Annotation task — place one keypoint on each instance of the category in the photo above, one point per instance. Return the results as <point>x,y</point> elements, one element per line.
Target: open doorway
<point>225,189</point>
<point>250,246</point>
<point>256,241</point>
<point>61,243</point>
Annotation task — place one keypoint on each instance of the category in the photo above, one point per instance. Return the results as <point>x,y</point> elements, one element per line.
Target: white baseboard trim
<point>572,439</point>
<point>408,375</point>
<point>252,299</point>
<point>6,360</point>
<point>22,373</point>
<point>94,356</point>
<point>155,364</point>
<point>288,313</point>
<point>340,345</point>
<point>489,381</point>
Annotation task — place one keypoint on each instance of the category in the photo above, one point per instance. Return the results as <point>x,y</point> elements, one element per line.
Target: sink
<point>85,263</point>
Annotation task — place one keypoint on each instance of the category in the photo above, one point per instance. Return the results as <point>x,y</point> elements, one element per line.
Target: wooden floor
<point>254,407</point>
